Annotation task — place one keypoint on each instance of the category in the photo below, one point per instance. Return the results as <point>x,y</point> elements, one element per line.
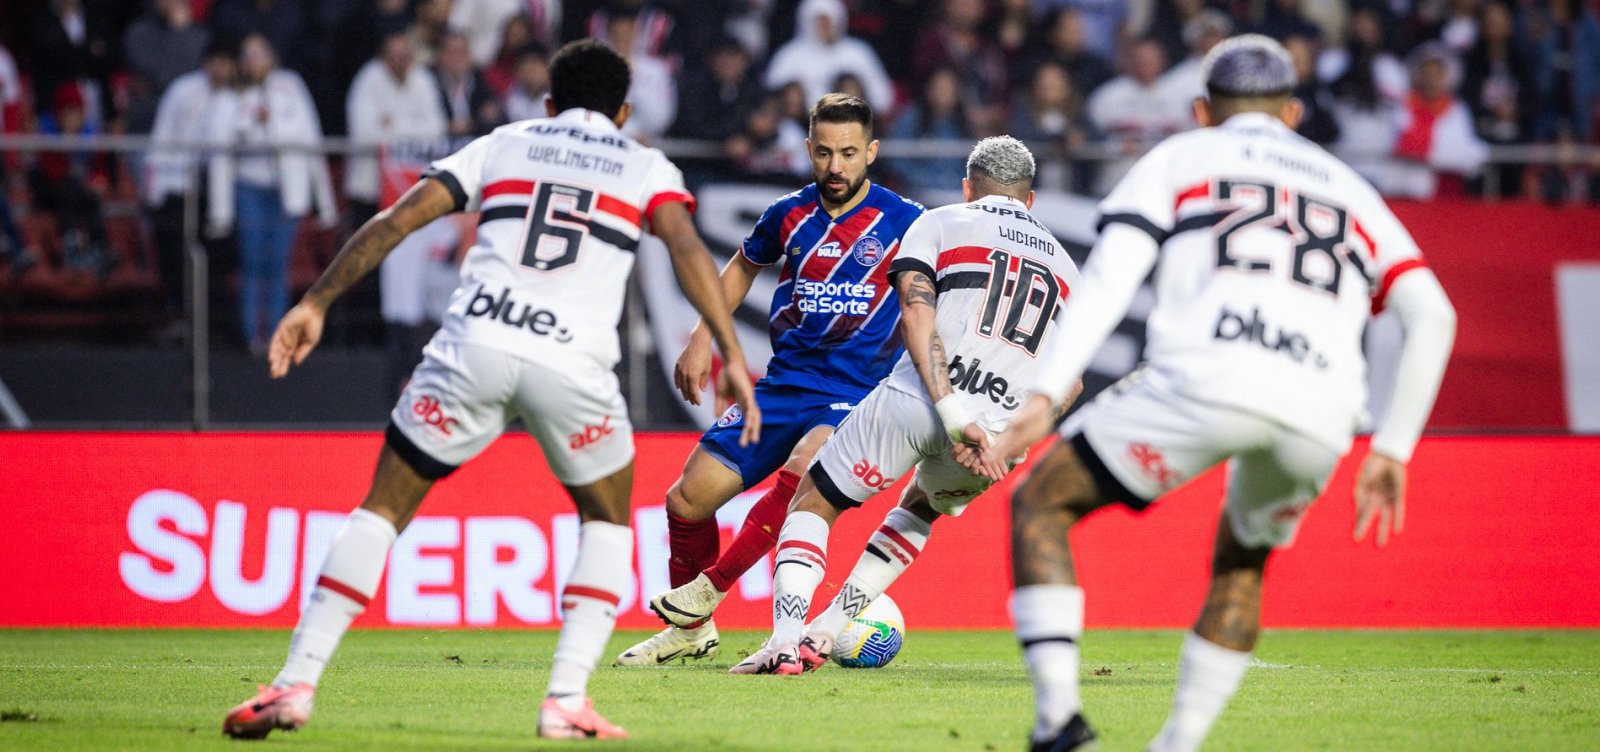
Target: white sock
<point>1049,620</point>
<point>802,559</point>
<point>589,607</point>
<point>890,550</point>
<point>1208,674</point>
<point>349,578</point>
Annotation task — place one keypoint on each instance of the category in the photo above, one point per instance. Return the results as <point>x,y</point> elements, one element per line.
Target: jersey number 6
<point>558,222</point>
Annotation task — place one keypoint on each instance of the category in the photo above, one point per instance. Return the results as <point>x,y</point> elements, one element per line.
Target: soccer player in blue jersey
<point>835,335</point>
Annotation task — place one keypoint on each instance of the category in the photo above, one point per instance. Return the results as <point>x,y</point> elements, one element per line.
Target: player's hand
<point>1033,422</point>
<point>297,334</point>
<point>1380,497</point>
<point>970,453</point>
<point>693,369</point>
<point>744,393</point>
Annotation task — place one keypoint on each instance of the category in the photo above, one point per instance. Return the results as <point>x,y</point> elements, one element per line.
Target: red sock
<point>693,545</point>
<point>758,535</point>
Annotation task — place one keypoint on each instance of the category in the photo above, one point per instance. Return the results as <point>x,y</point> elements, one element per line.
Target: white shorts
<point>1140,439</point>
<point>887,435</point>
<point>462,396</point>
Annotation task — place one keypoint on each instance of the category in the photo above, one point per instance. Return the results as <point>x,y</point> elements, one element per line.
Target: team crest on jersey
<point>868,250</point>
<point>732,416</point>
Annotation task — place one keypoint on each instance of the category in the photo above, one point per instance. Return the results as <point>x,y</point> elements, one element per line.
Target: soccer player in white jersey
<point>530,333</point>
<point>980,284</point>
<point>1272,254</point>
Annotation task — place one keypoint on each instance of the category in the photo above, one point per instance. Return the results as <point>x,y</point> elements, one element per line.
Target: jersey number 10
<point>1021,299</point>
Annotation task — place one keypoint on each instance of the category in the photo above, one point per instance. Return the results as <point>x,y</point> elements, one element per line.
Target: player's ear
<point>550,106</point>
<point>1293,111</point>
<point>622,114</point>
<point>1202,112</point>
<point>872,151</point>
<point>966,191</point>
<point>1028,202</point>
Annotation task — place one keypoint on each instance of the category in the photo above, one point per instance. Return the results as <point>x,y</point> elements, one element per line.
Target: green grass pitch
<point>478,690</point>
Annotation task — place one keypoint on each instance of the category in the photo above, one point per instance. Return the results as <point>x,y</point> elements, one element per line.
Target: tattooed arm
<point>301,328</point>
<point>921,335</point>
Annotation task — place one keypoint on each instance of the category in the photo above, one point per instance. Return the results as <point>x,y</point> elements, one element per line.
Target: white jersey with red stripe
<point>1001,279</point>
<point>1272,256</point>
<point>563,204</point>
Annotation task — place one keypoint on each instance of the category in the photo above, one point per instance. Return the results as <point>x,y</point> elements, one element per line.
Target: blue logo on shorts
<point>868,250</point>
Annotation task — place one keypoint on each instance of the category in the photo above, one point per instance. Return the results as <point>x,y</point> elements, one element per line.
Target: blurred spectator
<point>525,99</point>
<point>769,146</point>
<point>1052,112</point>
<point>414,285</point>
<point>1063,43</point>
<point>1165,22</point>
<point>1318,122</point>
<point>889,26</point>
<point>517,35</point>
<point>469,107</point>
<point>171,167</point>
<point>1133,111</point>
<point>716,95</point>
<point>651,27</point>
<point>1282,19</point>
<point>941,117</point>
<point>483,22</point>
<point>432,22</point>
<point>653,91</point>
<point>1458,30</point>
<point>1102,22</point>
<point>71,46</point>
<point>1365,61</point>
<point>1436,139</point>
<point>392,99</point>
<point>68,185</point>
<point>1011,28</point>
<point>1368,85</point>
<point>11,244</point>
<point>1185,82</point>
<point>956,42</point>
<point>820,52</point>
<point>268,185</point>
<point>794,107</point>
<point>1566,35</point>
<point>1500,86</point>
<point>850,83</point>
<point>279,21</point>
<point>11,109</point>
<point>158,47</point>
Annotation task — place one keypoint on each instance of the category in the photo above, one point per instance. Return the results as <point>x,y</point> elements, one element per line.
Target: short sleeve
<point>462,173</point>
<point>1143,199</point>
<point>664,185</point>
<point>919,249</point>
<point>763,246</point>
<point>1386,247</point>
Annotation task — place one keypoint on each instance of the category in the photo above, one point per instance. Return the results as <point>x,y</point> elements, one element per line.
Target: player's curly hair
<point>842,108</point>
<point>590,75</point>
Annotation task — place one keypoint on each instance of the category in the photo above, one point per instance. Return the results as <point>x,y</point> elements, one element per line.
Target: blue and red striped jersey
<point>835,317</point>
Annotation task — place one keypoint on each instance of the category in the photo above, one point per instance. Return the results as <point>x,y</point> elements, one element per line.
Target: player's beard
<point>840,195</point>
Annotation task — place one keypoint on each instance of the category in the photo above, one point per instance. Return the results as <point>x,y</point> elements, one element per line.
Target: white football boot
<point>684,606</point>
<point>771,659</point>
<point>673,644</point>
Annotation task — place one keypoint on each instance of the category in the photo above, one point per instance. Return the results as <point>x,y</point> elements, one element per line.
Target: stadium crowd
<point>1411,92</point>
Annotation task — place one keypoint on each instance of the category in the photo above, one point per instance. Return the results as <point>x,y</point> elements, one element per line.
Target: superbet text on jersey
<point>1001,279</point>
<point>564,202</point>
<point>1242,317</point>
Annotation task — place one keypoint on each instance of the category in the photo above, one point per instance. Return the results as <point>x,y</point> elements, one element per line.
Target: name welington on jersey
<point>560,156</point>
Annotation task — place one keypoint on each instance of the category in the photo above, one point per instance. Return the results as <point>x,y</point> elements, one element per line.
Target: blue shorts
<point>788,413</point>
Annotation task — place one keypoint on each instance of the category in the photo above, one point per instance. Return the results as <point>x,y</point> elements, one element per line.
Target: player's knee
<point>679,504</point>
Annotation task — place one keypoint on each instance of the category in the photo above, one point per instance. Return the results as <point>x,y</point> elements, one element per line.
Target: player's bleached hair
<point>1248,66</point>
<point>1002,159</point>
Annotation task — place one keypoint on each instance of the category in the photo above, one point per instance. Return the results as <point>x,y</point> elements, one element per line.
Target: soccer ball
<point>873,638</point>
